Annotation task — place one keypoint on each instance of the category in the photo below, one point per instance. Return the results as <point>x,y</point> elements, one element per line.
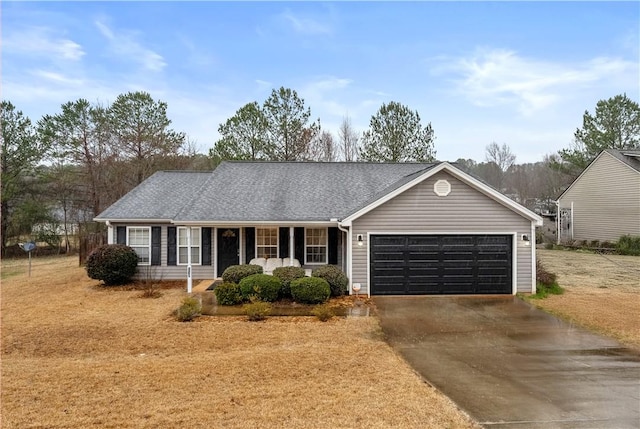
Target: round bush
<point>114,264</point>
<point>310,290</point>
<point>235,273</point>
<point>338,280</point>
<point>228,294</point>
<point>263,286</point>
<point>286,275</point>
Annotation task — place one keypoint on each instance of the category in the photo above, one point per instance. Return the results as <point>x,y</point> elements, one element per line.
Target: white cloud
<point>42,42</point>
<point>502,77</point>
<point>124,45</point>
<point>57,78</point>
<point>305,25</point>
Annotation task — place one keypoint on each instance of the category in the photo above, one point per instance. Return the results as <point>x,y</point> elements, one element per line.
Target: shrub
<point>228,294</point>
<point>235,273</point>
<point>628,245</point>
<point>542,290</point>
<point>548,246</point>
<point>114,264</point>
<point>310,290</point>
<point>543,276</point>
<point>189,309</point>
<point>286,275</point>
<point>594,243</point>
<point>323,312</point>
<point>257,310</point>
<point>263,286</point>
<point>338,280</point>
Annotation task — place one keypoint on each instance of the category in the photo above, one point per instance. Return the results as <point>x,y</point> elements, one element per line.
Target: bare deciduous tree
<point>348,140</point>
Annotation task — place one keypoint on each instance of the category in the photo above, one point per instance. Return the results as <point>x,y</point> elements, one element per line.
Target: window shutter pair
<point>172,246</point>
<point>121,238</point>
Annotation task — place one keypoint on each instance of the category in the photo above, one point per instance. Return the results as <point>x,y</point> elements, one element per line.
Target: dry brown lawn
<point>602,292</point>
<point>76,355</point>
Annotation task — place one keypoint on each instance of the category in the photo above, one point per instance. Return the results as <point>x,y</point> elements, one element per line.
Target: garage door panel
<point>440,264</point>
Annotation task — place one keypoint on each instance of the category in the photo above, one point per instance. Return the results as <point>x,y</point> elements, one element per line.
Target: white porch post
<point>292,253</point>
<point>189,276</point>
<point>109,233</point>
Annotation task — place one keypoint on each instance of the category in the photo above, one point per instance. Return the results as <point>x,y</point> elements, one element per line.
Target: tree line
<point>66,168</point>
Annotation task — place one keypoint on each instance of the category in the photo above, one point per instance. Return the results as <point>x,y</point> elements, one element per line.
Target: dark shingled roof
<point>240,191</point>
<point>161,196</point>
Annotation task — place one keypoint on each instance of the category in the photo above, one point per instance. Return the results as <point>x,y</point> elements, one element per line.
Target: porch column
<point>189,276</point>
<point>292,253</point>
<point>109,233</point>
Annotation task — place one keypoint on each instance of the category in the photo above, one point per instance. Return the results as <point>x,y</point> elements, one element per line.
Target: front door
<point>228,248</point>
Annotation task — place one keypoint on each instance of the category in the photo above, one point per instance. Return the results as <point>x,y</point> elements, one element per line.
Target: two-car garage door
<point>440,264</point>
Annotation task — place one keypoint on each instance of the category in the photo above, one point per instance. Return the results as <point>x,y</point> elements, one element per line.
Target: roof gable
<point>632,161</point>
<point>457,173</point>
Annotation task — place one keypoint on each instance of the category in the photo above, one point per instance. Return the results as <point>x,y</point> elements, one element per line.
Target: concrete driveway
<point>510,365</point>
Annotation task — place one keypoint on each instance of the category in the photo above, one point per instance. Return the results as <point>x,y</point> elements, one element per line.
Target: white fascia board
<point>98,219</point>
<point>459,174</point>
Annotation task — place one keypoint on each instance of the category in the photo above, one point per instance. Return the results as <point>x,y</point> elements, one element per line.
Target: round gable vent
<point>442,188</point>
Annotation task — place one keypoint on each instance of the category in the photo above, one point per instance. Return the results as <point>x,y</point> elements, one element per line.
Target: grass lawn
<point>601,292</point>
<point>76,355</point>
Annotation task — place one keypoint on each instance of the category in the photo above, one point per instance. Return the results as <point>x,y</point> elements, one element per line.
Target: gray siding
<point>606,201</point>
<point>464,210</point>
<point>173,272</point>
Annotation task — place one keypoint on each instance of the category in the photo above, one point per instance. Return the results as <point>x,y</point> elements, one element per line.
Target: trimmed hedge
<point>286,275</point>
<point>235,273</point>
<point>310,290</point>
<point>337,279</point>
<point>228,294</point>
<point>262,286</point>
<point>114,264</point>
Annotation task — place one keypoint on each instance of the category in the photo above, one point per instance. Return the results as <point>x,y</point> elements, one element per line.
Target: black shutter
<point>283,242</point>
<point>171,246</point>
<point>250,243</point>
<point>206,246</point>
<point>299,244</point>
<point>121,235</point>
<point>333,246</point>
<point>155,245</point>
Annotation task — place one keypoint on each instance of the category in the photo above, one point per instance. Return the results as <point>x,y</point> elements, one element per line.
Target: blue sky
<point>520,73</point>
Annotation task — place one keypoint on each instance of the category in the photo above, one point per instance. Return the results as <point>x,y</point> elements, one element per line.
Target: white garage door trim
<point>514,253</point>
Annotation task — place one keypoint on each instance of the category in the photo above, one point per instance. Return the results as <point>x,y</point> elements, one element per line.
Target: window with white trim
<point>183,245</point>
<point>266,242</point>
<point>315,249</point>
<point>139,239</point>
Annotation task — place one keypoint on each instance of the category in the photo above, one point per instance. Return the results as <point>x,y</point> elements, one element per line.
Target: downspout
<point>348,255</point>
<point>558,222</point>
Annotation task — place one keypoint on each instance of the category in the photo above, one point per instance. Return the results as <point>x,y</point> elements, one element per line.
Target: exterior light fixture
<point>526,240</point>
<point>360,240</point>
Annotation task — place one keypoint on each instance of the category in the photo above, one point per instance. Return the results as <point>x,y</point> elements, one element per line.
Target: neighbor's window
<point>183,247</point>
<point>266,242</point>
<point>139,239</point>
<point>316,246</point>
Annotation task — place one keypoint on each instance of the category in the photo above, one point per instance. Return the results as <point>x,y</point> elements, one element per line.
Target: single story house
<point>603,203</point>
<point>395,229</point>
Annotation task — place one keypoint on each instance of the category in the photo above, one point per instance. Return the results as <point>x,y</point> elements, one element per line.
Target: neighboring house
<point>603,203</point>
<point>405,228</point>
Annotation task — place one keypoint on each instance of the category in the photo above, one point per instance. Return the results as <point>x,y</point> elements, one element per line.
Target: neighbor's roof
<point>160,197</point>
<point>629,157</point>
<point>262,191</point>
